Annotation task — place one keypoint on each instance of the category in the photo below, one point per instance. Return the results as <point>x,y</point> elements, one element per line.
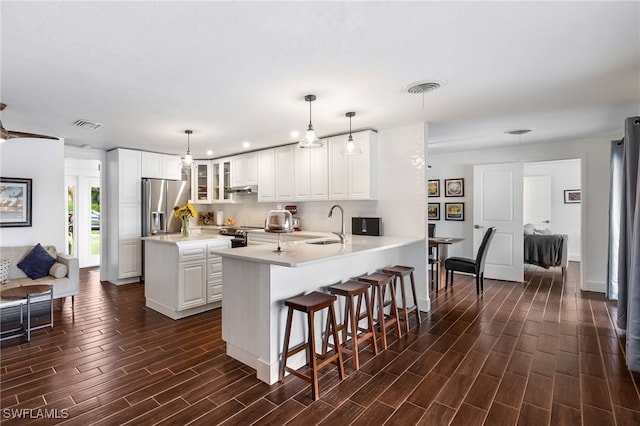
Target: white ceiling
<point>238,71</point>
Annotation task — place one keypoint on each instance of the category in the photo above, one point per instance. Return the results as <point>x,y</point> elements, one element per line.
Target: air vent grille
<point>424,86</point>
<point>86,124</point>
<point>518,131</point>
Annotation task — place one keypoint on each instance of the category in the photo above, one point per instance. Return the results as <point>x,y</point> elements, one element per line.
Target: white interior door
<point>497,195</point>
<point>537,201</point>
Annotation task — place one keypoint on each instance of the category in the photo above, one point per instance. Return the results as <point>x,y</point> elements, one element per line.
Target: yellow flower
<point>185,211</point>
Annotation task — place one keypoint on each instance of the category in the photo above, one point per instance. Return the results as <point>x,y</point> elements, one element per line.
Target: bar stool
<point>379,283</point>
<point>352,317</point>
<point>399,272</point>
<point>310,304</point>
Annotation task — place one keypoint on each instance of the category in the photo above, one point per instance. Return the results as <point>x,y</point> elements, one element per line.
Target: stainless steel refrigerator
<point>159,196</point>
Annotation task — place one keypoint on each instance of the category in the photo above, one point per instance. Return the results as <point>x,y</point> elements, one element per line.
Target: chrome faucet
<point>341,234</point>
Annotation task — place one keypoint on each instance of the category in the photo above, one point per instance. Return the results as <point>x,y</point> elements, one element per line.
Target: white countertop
<point>194,236</point>
<point>301,253</point>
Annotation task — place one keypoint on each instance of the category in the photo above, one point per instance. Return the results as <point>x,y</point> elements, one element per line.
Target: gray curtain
<point>625,224</point>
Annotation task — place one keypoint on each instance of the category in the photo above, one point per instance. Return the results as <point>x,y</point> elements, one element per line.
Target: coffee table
<point>25,295</point>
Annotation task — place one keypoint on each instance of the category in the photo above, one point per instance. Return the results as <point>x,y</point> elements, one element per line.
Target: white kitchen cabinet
<point>171,167</point>
<point>221,180</point>
<point>192,284</point>
<point>338,173</point>
<point>202,182</point>
<point>214,279</point>
<point>244,169</point>
<point>302,174</point>
<point>151,166</point>
<point>160,166</point>
<point>129,258</point>
<point>319,171</point>
<point>284,173</point>
<point>129,175</point>
<point>266,176</point>
<point>185,277</point>
<point>123,215</point>
<point>353,177</point>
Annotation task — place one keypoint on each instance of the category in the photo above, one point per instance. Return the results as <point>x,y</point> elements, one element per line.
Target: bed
<point>547,251</point>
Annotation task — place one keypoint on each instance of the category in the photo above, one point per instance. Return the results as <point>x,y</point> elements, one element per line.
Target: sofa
<point>67,285</point>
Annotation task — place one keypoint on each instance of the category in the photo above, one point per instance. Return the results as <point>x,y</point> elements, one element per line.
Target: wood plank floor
<point>539,353</point>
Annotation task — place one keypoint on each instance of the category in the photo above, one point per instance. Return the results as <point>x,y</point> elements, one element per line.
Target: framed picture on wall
<point>454,187</point>
<point>433,211</point>
<point>15,202</point>
<point>433,187</point>
<point>454,211</point>
<point>572,196</point>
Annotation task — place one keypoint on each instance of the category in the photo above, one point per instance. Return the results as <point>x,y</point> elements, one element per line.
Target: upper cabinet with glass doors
<point>201,182</point>
<point>221,176</point>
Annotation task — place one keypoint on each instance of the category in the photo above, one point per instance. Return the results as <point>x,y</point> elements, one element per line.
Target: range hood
<point>249,189</point>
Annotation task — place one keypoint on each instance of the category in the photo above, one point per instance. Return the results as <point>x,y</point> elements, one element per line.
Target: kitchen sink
<point>323,242</point>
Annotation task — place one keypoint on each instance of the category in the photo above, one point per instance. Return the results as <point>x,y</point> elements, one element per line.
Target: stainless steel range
<point>239,235</point>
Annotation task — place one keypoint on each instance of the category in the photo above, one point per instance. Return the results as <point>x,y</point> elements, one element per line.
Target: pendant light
<point>350,147</point>
<point>310,140</point>
<point>188,159</point>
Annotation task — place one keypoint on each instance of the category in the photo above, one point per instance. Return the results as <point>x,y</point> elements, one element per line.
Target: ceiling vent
<point>424,86</point>
<point>518,131</point>
<point>86,124</point>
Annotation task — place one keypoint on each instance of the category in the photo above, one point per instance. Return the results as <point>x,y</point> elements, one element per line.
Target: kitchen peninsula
<point>183,275</point>
<point>256,281</point>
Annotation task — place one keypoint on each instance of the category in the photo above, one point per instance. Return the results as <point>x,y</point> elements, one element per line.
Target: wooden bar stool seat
<point>310,304</point>
<point>399,272</point>
<point>379,283</point>
<point>352,317</point>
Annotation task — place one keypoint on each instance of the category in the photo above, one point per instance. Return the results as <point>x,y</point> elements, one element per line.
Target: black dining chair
<point>434,262</point>
<point>471,266</point>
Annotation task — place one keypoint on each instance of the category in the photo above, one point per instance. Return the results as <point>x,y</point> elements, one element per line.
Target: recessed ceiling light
<point>209,152</point>
<point>246,144</point>
<point>295,134</point>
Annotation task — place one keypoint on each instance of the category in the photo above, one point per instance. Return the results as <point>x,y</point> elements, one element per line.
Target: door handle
<point>546,221</point>
<point>478,226</point>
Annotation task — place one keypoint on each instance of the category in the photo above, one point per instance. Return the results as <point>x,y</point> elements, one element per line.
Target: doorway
<point>84,224</point>
<point>502,193</point>
<point>547,183</point>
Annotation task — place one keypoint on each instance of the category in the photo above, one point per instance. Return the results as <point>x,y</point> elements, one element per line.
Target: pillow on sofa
<point>4,270</point>
<point>36,263</point>
<point>58,270</point>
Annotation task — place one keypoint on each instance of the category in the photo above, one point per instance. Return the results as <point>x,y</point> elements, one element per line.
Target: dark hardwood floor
<point>539,353</point>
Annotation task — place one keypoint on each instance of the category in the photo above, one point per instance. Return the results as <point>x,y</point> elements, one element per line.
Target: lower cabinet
<point>192,284</point>
<point>183,279</point>
<point>129,258</point>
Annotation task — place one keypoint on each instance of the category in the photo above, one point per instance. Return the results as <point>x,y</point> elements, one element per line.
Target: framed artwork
<point>433,187</point>
<point>15,202</point>
<point>454,211</point>
<point>454,187</point>
<point>572,196</point>
<point>433,211</point>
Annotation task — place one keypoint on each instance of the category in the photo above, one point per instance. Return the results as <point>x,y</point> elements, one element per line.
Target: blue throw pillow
<point>36,263</point>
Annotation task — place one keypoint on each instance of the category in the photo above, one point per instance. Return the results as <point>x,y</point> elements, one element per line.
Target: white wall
<point>565,218</point>
<point>41,160</point>
<point>594,154</point>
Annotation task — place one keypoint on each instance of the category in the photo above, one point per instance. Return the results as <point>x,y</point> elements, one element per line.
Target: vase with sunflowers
<point>184,213</point>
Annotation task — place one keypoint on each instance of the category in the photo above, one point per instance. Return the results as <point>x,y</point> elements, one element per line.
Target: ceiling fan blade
<point>16,135</point>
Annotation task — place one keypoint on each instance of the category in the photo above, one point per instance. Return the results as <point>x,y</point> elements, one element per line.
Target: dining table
<point>441,245</point>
